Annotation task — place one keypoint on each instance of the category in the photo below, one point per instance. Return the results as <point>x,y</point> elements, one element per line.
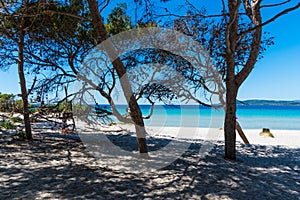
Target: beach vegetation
<point>9,104</point>
<point>6,102</point>
<point>18,106</point>
<point>7,125</point>
<point>16,120</point>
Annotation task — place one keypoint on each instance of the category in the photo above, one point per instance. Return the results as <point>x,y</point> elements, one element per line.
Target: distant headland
<point>258,102</point>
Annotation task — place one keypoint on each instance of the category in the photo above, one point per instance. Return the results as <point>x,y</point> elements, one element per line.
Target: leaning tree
<point>65,41</point>
<point>157,83</point>
<point>135,114</point>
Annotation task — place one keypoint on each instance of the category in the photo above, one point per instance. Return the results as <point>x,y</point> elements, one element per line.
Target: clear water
<point>250,117</point>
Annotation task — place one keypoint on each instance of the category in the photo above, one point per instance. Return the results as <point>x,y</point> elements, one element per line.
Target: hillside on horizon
<point>259,102</point>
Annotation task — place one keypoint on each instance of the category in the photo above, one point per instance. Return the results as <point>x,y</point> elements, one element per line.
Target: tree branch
<point>255,45</point>
<point>32,86</point>
<point>104,6</point>
<point>286,11</point>
<point>274,5</point>
<point>151,111</point>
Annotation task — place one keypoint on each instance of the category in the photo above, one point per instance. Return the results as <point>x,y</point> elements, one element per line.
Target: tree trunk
<point>23,83</point>
<point>136,114</point>
<point>230,121</point>
<point>241,133</point>
<point>231,84</point>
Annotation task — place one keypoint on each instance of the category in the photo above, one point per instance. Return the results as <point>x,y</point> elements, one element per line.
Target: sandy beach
<point>57,166</point>
<point>288,138</point>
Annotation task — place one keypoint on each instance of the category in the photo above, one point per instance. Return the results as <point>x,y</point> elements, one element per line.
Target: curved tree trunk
<point>136,114</point>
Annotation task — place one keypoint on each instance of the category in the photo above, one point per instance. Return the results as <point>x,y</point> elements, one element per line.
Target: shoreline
<point>287,138</point>
<point>282,137</point>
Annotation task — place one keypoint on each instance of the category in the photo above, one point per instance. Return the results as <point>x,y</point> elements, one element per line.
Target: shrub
<point>9,104</point>
<point>7,125</point>
<point>62,107</point>
<point>16,120</point>
<point>18,105</point>
<point>6,102</point>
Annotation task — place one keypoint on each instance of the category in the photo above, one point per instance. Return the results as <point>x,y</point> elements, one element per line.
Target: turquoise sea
<point>249,116</point>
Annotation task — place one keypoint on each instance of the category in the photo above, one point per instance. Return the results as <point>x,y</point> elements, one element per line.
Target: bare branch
<point>188,16</point>
<point>286,11</point>
<point>105,5</point>
<point>32,86</point>
<point>274,5</point>
<point>151,111</point>
<point>223,7</point>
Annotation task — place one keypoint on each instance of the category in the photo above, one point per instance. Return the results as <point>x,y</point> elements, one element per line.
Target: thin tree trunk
<point>230,122</point>
<point>136,114</point>
<point>241,133</point>
<point>23,82</point>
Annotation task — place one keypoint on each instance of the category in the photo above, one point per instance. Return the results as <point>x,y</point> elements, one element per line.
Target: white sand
<point>288,138</point>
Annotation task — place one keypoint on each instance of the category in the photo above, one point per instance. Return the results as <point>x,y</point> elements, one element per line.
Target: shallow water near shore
<point>250,117</point>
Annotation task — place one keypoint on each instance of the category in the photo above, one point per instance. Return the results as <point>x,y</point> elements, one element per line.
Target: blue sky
<point>276,76</point>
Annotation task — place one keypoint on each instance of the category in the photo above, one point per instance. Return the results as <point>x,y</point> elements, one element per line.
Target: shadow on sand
<point>60,168</point>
